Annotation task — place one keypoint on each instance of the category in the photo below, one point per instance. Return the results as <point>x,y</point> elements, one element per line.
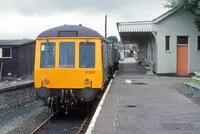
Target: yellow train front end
<point>68,63</point>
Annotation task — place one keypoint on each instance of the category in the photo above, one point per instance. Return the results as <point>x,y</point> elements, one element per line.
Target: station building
<point>169,43</point>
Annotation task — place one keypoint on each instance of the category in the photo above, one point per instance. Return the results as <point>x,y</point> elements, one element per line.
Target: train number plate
<point>89,72</point>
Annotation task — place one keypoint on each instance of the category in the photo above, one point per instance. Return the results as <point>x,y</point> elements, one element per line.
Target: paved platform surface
<point>142,104</point>
<point>15,84</point>
<point>128,60</point>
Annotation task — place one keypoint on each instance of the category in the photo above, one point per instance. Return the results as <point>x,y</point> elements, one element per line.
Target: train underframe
<point>57,99</point>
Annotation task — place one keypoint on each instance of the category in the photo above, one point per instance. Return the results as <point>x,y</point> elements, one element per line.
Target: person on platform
<point>116,60</point>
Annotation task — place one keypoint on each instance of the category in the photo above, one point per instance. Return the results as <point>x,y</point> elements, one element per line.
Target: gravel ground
<point>13,99</point>
<point>20,111</point>
<point>23,119</point>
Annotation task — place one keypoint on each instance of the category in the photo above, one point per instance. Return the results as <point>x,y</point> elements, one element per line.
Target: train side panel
<point>105,59</point>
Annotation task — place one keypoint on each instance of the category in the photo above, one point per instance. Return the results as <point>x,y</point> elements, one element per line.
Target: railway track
<point>81,129</point>
<point>68,124</point>
<point>60,124</point>
<point>42,124</point>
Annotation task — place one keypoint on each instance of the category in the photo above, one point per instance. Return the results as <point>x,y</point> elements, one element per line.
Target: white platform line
<point>94,118</point>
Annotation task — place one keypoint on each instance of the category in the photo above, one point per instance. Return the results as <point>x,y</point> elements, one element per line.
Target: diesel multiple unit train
<point>72,65</point>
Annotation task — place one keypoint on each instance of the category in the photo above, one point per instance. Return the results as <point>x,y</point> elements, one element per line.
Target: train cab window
<point>67,54</point>
<point>87,55</point>
<point>47,55</point>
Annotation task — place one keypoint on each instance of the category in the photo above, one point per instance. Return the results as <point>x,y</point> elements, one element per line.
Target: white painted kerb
<point>94,118</point>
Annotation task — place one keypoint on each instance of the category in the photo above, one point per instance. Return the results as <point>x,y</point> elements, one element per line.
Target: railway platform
<point>138,103</point>
<point>15,84</point>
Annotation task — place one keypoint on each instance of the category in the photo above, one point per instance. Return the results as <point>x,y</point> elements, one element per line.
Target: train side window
<point>87,55</point>
<point>67,54</point>
<point>47,59</point>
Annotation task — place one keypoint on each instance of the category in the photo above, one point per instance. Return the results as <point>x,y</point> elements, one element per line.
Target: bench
<point>192,88</point>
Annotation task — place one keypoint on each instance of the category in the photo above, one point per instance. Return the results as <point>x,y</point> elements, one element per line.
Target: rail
<point>81,129</point>
<point>42,124</point>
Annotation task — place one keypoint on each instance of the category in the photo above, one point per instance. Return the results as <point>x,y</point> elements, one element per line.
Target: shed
<point>17,57</point>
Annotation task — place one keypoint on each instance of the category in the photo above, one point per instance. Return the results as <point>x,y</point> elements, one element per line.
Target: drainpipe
<point>124,50</point>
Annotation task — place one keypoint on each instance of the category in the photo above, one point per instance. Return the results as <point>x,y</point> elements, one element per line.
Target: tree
<point>192,6</point>
<point>113,39</point>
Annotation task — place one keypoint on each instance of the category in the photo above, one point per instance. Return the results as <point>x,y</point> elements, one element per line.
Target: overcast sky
<point>27,18</point>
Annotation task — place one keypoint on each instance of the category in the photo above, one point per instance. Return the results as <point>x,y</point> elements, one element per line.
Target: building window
<point>182,40</point>
<point>167,43</point>
<point>67,54</point>
<point>5,52</point>
<point>198,47</point>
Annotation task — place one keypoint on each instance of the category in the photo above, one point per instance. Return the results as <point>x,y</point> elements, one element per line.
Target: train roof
<point>70,31</point>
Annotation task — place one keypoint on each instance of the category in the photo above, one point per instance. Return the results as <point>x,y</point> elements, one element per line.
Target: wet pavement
<point>141,104</point>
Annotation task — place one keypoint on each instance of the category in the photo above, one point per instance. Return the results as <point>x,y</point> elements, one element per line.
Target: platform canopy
<point>135,32</point>
<point>138,31</point>
<point>137,26</point>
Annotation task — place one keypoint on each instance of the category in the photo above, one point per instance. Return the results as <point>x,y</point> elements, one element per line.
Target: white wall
<point>155,60</point>
<point>178,24</point>
<point>121,54</point>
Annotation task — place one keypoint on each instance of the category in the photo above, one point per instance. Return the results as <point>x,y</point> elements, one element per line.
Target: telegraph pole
<point>106,26</point>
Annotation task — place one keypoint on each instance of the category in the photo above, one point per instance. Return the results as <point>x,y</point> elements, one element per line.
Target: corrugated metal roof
<point>137,27</point>
<point>143,26</point>
<point>15,42</point>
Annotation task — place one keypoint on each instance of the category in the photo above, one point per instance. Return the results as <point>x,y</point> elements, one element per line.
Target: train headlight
<point>87,81</point>
<point>46,80</point>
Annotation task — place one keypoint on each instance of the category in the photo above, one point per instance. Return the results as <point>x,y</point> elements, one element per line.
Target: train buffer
<point>193,86</point>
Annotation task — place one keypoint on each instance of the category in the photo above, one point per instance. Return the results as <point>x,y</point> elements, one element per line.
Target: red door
<point>182,60</point>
